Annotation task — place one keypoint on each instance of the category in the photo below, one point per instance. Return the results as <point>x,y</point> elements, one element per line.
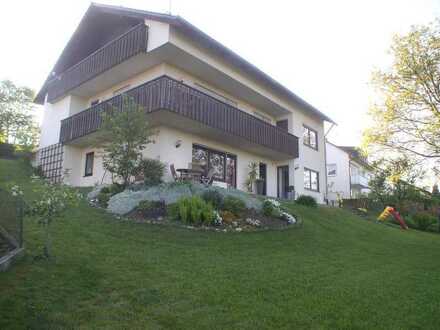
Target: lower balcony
<point>172,103</point>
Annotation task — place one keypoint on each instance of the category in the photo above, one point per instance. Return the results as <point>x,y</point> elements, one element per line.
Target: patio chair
<point>209,179</point>
<point>174,173</point>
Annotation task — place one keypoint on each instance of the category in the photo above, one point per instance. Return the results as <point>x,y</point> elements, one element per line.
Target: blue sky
<point>324,51</point>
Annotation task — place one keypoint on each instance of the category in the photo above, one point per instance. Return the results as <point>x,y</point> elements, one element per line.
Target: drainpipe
<point>325,160</point>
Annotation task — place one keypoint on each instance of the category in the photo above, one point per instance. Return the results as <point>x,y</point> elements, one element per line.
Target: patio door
<point>224,164</point>
<point>283,181</point>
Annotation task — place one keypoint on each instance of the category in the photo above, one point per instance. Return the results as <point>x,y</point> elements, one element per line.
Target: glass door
<point>283,181</point>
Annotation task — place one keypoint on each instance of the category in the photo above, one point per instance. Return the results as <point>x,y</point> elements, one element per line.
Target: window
<point>331,170</point>
<point>224,164</point>
<point>310,137</point>
<point>311,180</point>
<point>89,164</point>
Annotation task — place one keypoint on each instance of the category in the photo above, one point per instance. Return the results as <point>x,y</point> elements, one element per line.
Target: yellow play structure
<point>392,211</point>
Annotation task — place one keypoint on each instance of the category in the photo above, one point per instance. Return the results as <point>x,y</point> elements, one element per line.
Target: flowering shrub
<point>253,222</point>
<point>291,220</point>
<point>272,208</point>
<point>218,221</point>
<point>15,191</point>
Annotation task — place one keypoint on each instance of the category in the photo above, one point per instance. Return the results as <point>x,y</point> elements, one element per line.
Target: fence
<point>361,203</point>
<point>11,218</point>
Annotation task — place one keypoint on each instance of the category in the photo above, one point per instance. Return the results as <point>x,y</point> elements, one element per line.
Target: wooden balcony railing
<point>167,94</point>
<point>129,44</point>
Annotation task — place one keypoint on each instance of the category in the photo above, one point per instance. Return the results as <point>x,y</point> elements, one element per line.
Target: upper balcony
<point>127,45</point>
<point>172,103</point>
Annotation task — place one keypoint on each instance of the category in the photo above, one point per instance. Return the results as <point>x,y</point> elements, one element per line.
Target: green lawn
<point>336,272</point>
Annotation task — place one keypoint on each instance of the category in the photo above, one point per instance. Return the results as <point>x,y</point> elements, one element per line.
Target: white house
<point>348,173</point>
<point>207,103</point>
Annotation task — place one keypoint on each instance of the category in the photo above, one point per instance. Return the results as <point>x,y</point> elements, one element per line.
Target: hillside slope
<point>338,271</point>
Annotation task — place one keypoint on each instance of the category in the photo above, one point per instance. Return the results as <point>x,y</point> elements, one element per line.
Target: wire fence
<point>11,218</point>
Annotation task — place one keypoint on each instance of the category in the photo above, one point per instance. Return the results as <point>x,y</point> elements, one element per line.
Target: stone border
<point>7,260</point>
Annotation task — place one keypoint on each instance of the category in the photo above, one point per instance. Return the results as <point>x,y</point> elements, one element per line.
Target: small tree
<point>50,205</point>
<point>128,132</point>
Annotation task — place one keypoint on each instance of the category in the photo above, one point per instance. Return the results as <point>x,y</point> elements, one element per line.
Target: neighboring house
<point>348,173</point>
<point>207,103</point>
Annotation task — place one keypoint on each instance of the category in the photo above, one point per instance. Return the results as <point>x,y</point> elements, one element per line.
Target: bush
<point>423,220</point>
<point>271,208</point>
<point>213,197</point>
<point>113,189</point>
<point>103,199</point>
<point>152,209</point>
<point>306,201</point>
<point>234,205</point>
<point>152,171</point>
<point>7,150</point>
<point>194,210</point>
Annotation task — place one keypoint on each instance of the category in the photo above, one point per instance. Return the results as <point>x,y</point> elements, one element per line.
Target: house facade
<point>206,103</point>
<point>348,173</point>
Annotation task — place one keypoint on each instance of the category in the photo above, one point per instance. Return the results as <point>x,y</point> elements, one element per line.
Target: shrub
<point>271,208</point>
<point>7,150</point>
<point>234,205</point>
<point>113,189</point>
<point>152,171</point>
<point>423,220</point>
<point>152,209</point>
<point>172,211</point>
<point>213,197</point>
<point>306,201</point>
<point>228,217</point>
<point>103,199</point>
<point>194,210</point>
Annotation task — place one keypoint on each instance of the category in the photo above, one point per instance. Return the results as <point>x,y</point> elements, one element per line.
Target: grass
<point>338,271</point>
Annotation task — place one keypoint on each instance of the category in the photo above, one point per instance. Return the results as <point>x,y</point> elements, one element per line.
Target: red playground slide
<point>399,218</point>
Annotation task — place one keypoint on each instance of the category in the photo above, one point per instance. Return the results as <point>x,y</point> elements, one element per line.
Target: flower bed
<point>199,207</point>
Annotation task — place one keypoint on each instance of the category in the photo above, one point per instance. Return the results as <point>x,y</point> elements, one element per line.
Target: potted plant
<point>259,184</point>
<point>252,176</point>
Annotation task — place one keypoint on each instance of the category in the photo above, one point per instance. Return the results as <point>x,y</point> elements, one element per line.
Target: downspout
<point>325,160</point>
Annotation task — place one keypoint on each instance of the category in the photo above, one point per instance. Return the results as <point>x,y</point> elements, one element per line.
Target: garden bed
<point>240,224</point>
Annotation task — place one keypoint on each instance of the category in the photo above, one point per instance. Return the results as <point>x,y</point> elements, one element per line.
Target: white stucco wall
<point>340,183</point>
<point>308,157</point>
<point>164,149</point>
<point>53,113</point>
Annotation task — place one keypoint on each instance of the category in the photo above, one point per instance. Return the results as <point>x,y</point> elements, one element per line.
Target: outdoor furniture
<point>190,174</point>
<point>209,179</point>
<point>174,173</point>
